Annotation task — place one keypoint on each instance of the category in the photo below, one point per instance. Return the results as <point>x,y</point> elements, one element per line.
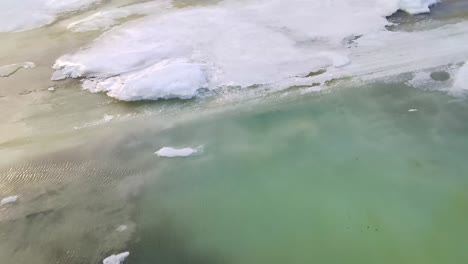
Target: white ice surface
<point>10,199</point>
<point>170,152</point>
<point>257,42</point>
<point>116,259</point>
<point>229,44</point>
<point>19,15</point>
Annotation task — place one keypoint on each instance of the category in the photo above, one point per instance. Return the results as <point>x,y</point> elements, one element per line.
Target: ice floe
<point>116,259</point>
<point>10,199</point>
<point>170,152</point>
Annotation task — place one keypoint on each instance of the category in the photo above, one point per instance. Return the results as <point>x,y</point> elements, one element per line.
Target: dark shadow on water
<point>165,243</point>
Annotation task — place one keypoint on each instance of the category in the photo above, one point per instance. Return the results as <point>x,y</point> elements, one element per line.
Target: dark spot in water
<point>164,242</point>
<point>40,213</point>
<point>440,76</point>
<point>416,163</point>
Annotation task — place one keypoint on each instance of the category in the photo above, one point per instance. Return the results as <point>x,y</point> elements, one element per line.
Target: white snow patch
<point>412,110</point>
<point>116,259</point>
<point>10,199</point>
<point>170,152</point>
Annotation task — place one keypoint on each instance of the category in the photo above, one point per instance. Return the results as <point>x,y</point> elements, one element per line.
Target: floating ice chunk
<point>412,110</point>
<point>105,19</point>
<point>8,70</point>
<point>116,259</point>
<point>417,6</point>
<point>10,199</point>
<point>29,14</point>
<point>170,152</point>
<point>51,89</point>
<point>121,228</point>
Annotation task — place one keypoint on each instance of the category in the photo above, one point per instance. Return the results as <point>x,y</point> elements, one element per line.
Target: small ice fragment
<point>10,199</point>
<point>116,259</point>
<point>170,152</point>
<point>121,228</point>
<point>58,75</point>
<point>108,118</point>
<point>412,110</point>
<point>51,89</point>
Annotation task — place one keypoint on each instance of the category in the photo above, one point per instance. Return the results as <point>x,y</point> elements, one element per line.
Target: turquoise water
<point>344,177</point>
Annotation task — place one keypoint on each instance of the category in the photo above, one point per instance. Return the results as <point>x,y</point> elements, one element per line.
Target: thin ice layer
<point>8,70</point>
<point>19,15</point>
<point>230,44</point>
<point>105,19</point>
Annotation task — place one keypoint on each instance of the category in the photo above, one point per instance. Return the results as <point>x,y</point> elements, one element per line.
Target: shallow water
<point>350,176</point>
<point>355,172</point>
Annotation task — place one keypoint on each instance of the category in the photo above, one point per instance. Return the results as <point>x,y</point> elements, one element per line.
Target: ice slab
<point>10,199</point>
<point>170,152</point>
<point>116,259</point>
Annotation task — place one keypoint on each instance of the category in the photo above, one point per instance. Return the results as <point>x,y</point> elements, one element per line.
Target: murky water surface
<point>358,173</point>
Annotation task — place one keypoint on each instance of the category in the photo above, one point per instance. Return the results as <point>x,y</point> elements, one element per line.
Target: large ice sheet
<point>242,44</point>
<point>19,15</point>
<point>231,44</point>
